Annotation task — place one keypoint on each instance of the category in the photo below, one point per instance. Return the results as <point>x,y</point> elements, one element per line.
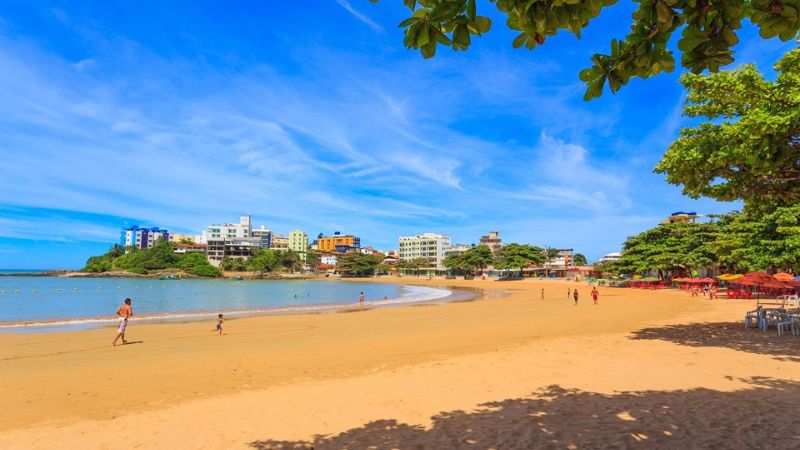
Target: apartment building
<point>428,245</point>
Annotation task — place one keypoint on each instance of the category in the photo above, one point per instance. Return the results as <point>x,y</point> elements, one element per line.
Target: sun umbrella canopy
<point>730,276</point>
<point>783,276</point>
<point>759,276</point>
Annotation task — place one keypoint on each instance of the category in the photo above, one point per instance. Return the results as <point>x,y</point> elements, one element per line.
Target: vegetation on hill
<point>142,261</point>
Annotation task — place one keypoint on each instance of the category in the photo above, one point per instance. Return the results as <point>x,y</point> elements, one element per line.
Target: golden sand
<point>649,369</point>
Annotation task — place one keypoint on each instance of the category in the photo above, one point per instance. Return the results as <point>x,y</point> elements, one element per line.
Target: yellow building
<point>338,243</point>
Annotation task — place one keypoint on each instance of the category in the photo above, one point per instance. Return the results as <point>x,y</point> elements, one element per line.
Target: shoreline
<point>441,295</point>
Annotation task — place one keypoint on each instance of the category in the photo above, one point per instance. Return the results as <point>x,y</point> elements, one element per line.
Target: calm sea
<point>28,303</point>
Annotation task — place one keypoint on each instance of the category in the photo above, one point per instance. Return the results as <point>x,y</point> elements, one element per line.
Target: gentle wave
<point>412,294</point>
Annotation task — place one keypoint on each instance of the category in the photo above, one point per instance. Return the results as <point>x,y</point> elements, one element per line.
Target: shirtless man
<point>123,312</point>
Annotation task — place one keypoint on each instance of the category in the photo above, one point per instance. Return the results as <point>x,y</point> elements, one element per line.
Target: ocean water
<point>30,303</point>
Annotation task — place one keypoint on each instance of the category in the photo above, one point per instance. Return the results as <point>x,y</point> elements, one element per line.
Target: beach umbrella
<point>730,276</point>
<point>796,278</point>
<point>759,276</point>
<point>706,280</point>
<point>783,276</point>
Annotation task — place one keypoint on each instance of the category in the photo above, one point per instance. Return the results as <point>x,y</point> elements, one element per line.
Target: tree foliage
<point>579,259</point>
<point>750,146</point>
<point>708,31</point>
<point>518,256</point>
<point>356,264</point>
<point>160,257</point>
<point>736,242</point>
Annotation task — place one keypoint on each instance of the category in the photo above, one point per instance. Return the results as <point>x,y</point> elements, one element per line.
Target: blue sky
<point>313,115</point>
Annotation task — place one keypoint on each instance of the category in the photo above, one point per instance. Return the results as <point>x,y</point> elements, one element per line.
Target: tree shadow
<point>731,335</point>
<point>761,416</point>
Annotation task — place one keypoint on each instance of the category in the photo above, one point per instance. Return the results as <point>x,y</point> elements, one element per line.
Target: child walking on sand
<point>595,294</point>
<point>575,296</point>
<point>220,319</point>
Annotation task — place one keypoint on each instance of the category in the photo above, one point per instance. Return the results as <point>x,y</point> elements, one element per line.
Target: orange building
<point>338,243</point>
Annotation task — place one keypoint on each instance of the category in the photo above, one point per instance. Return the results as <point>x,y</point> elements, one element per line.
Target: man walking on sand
<point>575,296</point>
<point>123,313</point>
<point>595,294</point>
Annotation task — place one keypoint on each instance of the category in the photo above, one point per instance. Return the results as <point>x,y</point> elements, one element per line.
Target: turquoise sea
<point>28,303</point>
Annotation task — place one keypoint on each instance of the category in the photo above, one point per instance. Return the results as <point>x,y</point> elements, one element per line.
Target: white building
<point>328,259</point>
<point>429,245</point>
<point>234,240</point>
<point>610,257</point>
<point>242,229</point>
<point>564,259</point>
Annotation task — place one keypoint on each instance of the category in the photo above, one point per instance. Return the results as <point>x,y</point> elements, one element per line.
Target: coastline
<point>290,378</point>
<point>431,296</point>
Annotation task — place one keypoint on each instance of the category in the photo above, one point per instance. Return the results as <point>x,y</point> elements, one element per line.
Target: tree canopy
<point>708,31</point>
<point>160,257</point>
<point>735,242</point>
<point>579,259</point>
<point>518,256</point>
<point>750,146</point>
<point>357,264</point>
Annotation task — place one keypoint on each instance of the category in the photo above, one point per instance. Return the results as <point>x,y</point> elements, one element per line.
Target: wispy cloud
<point>358,15</point>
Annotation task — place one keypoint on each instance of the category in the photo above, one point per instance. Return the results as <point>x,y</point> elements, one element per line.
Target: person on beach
<point>220,319</point>
<point>542,293</point>
<point>568,293</point>
<point>361,298</point>
<point>595,294</point>
<point>575,296</point>
<point>123,313</point>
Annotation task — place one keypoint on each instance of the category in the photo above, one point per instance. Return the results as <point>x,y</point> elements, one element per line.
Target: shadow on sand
<point>731,335</point>
<point>763,415</point>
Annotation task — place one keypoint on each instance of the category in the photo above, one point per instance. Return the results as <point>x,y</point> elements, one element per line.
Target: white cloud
<point>360,16</point>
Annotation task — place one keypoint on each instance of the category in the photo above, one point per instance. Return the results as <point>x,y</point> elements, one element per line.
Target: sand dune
<point>642,369</point>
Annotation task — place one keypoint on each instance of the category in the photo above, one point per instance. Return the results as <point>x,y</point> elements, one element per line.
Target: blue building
<point>141,237</point>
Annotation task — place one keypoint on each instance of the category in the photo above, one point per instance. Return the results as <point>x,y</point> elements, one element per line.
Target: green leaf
<point>471,14</point>
<point>482,24</point>
<point>519,41</point>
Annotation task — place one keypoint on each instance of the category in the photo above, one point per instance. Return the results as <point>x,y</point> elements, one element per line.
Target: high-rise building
<point>264,235</point>
<point>234,240</point>
<point>493,241</point>
<point>298,242</point>
<point>230,230</point>
<point>339,243</point>
<point>141,237</point>
<point>428,245</point>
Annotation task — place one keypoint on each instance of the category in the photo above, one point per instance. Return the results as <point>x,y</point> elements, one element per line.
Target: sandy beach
<point>643,369</point>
